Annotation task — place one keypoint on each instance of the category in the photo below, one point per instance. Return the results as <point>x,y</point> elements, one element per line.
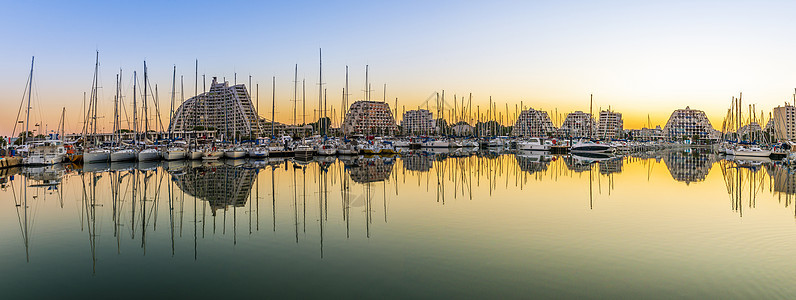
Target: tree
<point>21,136</point>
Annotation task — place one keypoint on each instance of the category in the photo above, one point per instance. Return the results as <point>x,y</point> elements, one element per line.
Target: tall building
<point>534,123</point>
<point>225,109</point>
<point>785,122</point>
<point>578,124</point>
<point>418,121</point>
<point>687,123</point>
<point>610,125</point>
<point>369,117</point>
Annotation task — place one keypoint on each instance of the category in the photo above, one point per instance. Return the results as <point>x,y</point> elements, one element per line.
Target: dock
<point>10,161</point>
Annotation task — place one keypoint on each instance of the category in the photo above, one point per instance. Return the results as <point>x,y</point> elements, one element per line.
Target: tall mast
<point>196,96</point>
<point>135,111</point>
<point>295,95</point>
<point>591,113</point>
<point>260,124</point>
<point>146,116</point>
<point>367,86</point>
<point>173,87</point>
<point>182,101</point>
<point>345,98</point>
<point>116,108</point>
<point>303,107</point>
<point>27,110</point>
<point>93,99</point>
<point>273,108</point>
<point>204,101</point>
<point>320,83</point>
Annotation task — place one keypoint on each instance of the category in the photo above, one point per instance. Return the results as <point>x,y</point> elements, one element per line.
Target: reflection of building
<point>611,166</point>
<point>785,122</point>
<point>784,178</point>
<point>687,123</point>
<point>532,162</point>
<point>370,169</point>
<point>220,186</point>
<point>225,108</point>
<point>689,165</point>
<point>577,124</point>
<point>419,121</point>
<point>369,117</point>
<point>421,163</point>
<point>610,125</point>
<point>534,123</point>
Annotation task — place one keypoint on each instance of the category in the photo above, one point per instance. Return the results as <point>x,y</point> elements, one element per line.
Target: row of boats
<point>54,151</point>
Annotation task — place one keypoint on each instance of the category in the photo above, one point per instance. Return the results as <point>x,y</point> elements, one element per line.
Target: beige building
<point>610,125</point>
<point>784,122</point>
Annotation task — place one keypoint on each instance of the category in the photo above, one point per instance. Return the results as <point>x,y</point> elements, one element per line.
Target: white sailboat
<point>95,154</point>
<point>46,152</point>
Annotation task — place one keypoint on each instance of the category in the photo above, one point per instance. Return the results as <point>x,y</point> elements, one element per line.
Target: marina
<point>398,150</point>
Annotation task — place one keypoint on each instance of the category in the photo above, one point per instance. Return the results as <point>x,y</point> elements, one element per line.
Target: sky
<point>641,58</point>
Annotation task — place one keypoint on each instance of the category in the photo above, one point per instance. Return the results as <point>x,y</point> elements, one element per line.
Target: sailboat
<point>122,153</point>
<point>195,152</point>
<point>46,152</point>
<point>95,154</point>
<point>176,150</point>
<point>751,150</point>
<point>149,153</point>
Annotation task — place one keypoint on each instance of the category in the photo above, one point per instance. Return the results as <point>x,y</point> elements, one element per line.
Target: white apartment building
<point>687,123</point>
<point>225,109</point>
<point>369,117</point>
<point>418,122</point>
<point>578,124</point>
<point>610,125</point>
<point>535,123</point>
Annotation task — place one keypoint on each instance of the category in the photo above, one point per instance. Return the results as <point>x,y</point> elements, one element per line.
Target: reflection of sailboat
<point>48,175</point>
<point>741,182</point>
<point>753,162</point>
<point>533,161</point>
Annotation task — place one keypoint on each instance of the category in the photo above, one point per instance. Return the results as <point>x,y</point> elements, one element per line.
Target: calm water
<point>657,225</point>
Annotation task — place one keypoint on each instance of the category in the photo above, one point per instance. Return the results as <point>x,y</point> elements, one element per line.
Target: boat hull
<point>174,155</point>
<point>123,155</point>
<point>212,155</point>
<point>234,154</point>
<point>148,155</point>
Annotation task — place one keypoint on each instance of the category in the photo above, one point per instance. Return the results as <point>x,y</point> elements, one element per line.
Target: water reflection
<point>689,165</point>
<point>349,209</point>
<point>221,185</point>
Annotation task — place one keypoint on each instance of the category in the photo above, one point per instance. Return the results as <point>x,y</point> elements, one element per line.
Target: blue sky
<point>638,57</point>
